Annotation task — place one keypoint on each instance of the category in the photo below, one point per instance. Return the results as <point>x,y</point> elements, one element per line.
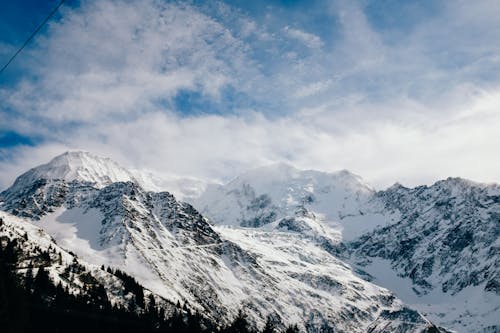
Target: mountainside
<point>99,172</point>
<point>446,244</point>
<point>76,165</point>
<point>37,250</point>
<point>45,288</point>
<point>266,194</point>
<point>177,254</point>
<point>437,247</point>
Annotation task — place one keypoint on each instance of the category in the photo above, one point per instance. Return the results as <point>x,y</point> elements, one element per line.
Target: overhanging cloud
<point>105,78</point>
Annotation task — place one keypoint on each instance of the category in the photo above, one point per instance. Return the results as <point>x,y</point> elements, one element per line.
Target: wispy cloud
<point>310,40</point>
<point>413,108</point>
<point>313,88</point>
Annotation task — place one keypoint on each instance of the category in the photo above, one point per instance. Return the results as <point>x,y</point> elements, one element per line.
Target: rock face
<point>286,268</point>
<point>446,246</point>
<point>263,195</point>
<point>404,320</point>
<point>436,246</point>
<point>447,238</point>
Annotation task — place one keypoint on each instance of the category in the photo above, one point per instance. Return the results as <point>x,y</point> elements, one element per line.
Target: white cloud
<point>310,40</point>
<point>107,75</point>
<point>217,147</point>
<point>112,58</point>
<point>313,88</point>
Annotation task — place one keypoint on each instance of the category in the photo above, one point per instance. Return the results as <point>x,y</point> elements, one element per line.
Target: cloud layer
<point>211,90</point>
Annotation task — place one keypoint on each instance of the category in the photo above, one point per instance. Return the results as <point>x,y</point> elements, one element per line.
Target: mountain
<point>444,251</point>
<point>75,165</point>
<point>30,250</point>
<point>266,194</point>
<point>182,187</point>
<point>99,172</point>
<point>287,271</point>
<point>435,246</point>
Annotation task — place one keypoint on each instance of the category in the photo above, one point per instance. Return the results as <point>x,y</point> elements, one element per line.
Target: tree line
<point>31,302</point>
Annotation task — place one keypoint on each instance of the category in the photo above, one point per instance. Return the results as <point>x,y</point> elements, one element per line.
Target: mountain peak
<point>266,194</point>
<point>76,165</point>
<point>74,155</point>
<point>63,164</point>
<point>283,172</point>
<point>84,166</point>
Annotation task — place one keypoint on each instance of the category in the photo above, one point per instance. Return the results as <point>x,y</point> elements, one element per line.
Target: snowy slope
<point>266,194</point>
<point>100,171</point>
<point>75,165</point>
<point>436,247</point>
<point>443,251</point>
<point>175,252</point>
<point>182,187</point>
<point>63,266</point>
<point>470,310</point>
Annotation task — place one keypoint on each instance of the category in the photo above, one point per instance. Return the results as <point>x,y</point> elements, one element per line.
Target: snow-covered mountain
<point>38,249</point>
<point>436,247</point>
<point>285,268</point>
<point>265,194</point>
<point>182,187</point>
<point>100,171</point>
<point>75,165</point>
<point>444,250</point>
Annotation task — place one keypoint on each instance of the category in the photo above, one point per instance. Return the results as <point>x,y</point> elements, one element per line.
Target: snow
<point>101,171</point>
<point>83,166</point>
<point>182,187</point>
<point>340,206</point>
<point>351,227</point>
<point>303,272</point>
<point>78,223</point>
<point>333,195</point>
<point>75,165</point>
<point>283,258</point>
<point>14,227</point>
<point>175,253</point>
<point>470,310</point>
<point>78,230</point>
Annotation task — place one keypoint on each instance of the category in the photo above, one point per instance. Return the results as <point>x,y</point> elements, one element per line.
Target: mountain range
<point>321,250</point>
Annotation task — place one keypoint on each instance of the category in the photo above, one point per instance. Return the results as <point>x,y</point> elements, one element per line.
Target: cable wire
<point>32,35</point>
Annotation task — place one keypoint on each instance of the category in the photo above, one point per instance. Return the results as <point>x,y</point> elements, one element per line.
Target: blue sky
<point>392,90</point>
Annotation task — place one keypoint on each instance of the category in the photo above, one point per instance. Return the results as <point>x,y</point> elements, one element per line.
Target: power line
<point>32,35</point>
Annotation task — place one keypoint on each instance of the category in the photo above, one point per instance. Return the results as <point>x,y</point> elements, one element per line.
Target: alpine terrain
<point>436,247</point>
<point>323,251</point>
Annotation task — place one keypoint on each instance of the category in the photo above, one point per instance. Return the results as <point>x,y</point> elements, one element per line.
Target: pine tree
<point>10,253</point>
<point>151,303</point>
<point>292,329</point>
<point>240,324</point>
<point>29,279</point>
<point>42,285</point>
<point>45,257</point>
<point>270,327</point>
